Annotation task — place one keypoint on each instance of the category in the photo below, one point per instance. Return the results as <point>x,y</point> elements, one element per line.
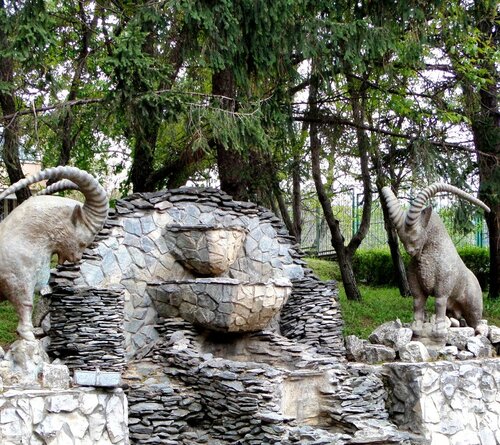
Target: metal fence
<point>347,207</point>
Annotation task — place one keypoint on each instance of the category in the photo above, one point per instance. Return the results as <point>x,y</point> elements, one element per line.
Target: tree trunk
<point>357,99</point>
<point>296,200</point>
<point>343,257</point>
<point>145,124</point>
<point>493,222</point>
<point>392,236</point>
<point>486,130</point>
<point>285,214</point>
<point>145,133</point>
<point>397,259</point>
<point>230,163</point>
<point>10,151</point>
<point>66,127</point>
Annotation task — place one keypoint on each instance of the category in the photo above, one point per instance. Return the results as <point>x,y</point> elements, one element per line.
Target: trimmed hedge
<point>477,259</point>
<point>374,266</point>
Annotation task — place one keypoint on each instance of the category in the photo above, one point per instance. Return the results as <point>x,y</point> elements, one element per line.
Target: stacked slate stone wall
<point>131,254</point>
<point>311,315</point>
<point>86,328</point>
<point>260,389</point>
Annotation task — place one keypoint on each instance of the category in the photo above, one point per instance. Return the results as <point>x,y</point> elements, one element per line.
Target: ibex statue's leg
<point>439,329</point>
<point>419,300</point>
<point>23,303</point>
<point>472,300</point>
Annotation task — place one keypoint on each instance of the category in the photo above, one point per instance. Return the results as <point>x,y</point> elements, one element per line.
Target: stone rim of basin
<point>224,304</point>
<point>204,228</point>
<point>278,282</point>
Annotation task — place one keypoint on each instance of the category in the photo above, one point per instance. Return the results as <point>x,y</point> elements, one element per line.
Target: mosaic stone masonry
<point>449,403</point>
<point>73,416</point>
<point>206,250</point>
<point>222,304</point>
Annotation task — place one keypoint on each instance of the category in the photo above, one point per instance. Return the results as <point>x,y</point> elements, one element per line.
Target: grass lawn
<point>380,304</point>
<point>8,324</point>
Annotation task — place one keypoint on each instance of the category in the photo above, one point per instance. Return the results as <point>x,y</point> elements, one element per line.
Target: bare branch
<point>340,121</point>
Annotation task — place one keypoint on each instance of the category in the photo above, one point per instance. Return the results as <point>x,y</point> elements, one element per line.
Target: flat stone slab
<point>97,378</point>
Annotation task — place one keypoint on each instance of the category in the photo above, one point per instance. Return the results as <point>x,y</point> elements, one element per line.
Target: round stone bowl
<point>222,304</point>
<point>206,250</point>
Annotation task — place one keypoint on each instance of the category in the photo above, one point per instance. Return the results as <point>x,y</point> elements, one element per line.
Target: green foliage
<point>378,305</point>
<point>381,303</point>
<point>325,270</point>
<point>28,31</point>
<point>375,267</point>
<point>8,323</point>
<point>477,259</point>
<point>254,39</point>
<point>235,131</point>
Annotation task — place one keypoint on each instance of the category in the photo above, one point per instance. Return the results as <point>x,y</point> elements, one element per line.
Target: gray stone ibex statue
<point>435,267</point>
<point>42,226</point>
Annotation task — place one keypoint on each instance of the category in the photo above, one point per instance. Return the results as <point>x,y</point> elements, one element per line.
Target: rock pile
<point>86,328</point>
<point>393,341</point>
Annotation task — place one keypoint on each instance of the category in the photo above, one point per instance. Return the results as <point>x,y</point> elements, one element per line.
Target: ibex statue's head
<point>42,226</point>
<point>76,225</point>
<point>412,225</point>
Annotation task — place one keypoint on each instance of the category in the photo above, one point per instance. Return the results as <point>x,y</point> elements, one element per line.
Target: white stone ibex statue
<point>435,266</point>
<point>42,226</point>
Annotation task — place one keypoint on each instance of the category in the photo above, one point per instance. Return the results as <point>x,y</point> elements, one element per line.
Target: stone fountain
<point>213,301</point>
<point>224,336</point>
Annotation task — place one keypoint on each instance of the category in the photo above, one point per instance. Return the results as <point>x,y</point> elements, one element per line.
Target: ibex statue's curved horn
<point>418,204</point>
<point>59,186</point>
<point>95,207</point>
<point>396,212</point>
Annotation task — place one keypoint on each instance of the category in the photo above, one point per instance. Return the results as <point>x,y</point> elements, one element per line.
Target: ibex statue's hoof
<point>26,334</point>
<point>417,327</point>
<point>439,329</point>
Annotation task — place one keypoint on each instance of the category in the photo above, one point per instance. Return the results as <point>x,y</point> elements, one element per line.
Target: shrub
<point>477,259</point>
<point>374,266</point>
<point>324,269</point>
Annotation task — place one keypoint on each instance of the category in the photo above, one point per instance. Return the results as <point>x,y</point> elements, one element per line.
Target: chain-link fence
<point>347,208</point>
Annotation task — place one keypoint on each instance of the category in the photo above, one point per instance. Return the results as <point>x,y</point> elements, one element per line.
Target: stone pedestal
<point>23,363</point>
<point>63,417</point>
<point>446,402</point>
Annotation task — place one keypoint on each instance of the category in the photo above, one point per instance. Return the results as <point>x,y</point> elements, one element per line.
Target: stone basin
<point>206,250</point>
<point>222,304</point>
